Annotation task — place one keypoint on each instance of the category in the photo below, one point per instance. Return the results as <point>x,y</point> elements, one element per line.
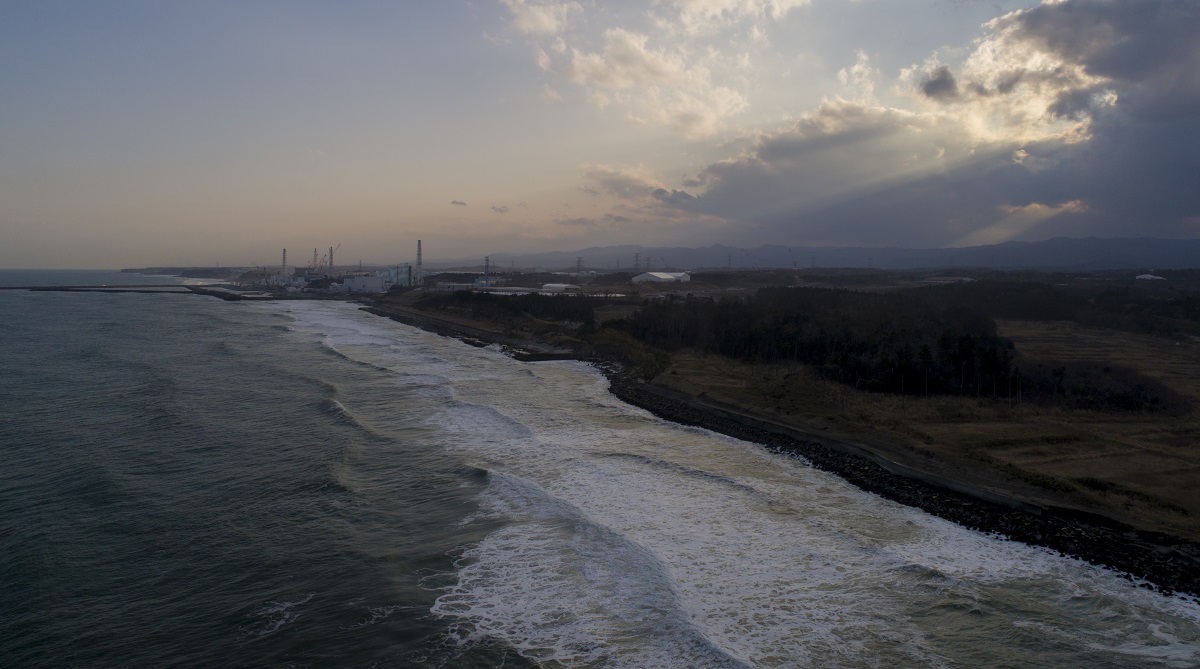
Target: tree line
<point>938,340</point>
<point>892,342</point>
<point>514,308</point>
<point>931,341</point>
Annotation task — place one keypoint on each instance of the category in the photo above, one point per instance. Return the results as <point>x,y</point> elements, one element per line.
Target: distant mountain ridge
<point>1060,253</point>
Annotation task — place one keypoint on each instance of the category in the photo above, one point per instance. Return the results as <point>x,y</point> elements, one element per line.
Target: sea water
<point>186,481</point>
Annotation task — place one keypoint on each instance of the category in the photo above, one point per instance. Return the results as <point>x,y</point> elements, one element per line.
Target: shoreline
<point>1152,560</point>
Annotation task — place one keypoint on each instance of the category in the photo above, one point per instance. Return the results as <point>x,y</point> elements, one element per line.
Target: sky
<point>211,132</point>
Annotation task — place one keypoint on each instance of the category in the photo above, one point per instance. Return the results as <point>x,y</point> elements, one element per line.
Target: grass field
<point>1142,468</point>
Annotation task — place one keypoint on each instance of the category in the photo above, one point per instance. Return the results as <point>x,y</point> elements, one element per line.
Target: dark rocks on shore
<point>1163,562</point>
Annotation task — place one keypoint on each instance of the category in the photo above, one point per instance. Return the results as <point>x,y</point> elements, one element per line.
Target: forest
<point>928,341</point>
<point>514,309</point>
<point>937,340</point>
<point>894,342</point>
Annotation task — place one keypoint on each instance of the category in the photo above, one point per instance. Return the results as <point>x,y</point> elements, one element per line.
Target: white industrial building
<point>559,288</point>
<point>364,284</point>
<point>662,277</point>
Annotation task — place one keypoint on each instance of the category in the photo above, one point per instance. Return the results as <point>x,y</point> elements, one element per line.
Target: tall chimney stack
<point>420,274</point>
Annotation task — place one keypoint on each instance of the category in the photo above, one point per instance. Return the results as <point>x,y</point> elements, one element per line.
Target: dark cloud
<point>502,209</point>
<point>1075,104</point>
<point>1138,169</point>
<point>673,196</point>
<point>940,85</point>
<point>1149,50</point>
<point>625,184</point>
<point>1124,78</point>
<point>1125,40</point>
<point>606,221</point>
<point>458,203</point>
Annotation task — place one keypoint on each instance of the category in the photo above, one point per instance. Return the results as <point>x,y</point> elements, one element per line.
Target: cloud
<point>502,209</point>
<point>607,221</point>
<point>1132,87</point>
<point>940,85</point>
<point>625,62</point>
<point>1072,118</point>
<point>1038,73</point>
<point>673,197</point>
<point>664,82</point>
<point>707,15</point>
<point>1031,162</point>
<point>628,183</point>
<point>458,203</point>
<point>858,80</point>
<point>539,17</point>
<point>660,85</point>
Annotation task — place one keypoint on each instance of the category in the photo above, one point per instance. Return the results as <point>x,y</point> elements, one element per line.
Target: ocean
<point>191,482</point>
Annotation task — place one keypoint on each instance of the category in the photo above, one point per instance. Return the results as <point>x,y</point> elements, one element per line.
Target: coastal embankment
<point>1152,559</point>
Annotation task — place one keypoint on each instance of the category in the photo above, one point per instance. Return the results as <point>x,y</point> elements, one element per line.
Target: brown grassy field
<point>1140,468</point>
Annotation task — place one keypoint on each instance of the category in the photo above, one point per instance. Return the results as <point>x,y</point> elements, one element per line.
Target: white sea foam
<point>374,615</point>
<point>629,541</point>
<point>273,615</point>
<point>560,588</point>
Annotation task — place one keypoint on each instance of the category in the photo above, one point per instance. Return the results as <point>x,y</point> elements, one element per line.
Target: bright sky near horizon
<point>202,132</point>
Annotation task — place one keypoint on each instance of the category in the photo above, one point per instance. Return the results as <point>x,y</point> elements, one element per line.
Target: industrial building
<point>360,283</point>
<point>662,277</point>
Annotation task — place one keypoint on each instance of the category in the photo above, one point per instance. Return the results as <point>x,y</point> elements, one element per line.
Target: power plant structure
<point>420,277</point>
<point>320,275</point>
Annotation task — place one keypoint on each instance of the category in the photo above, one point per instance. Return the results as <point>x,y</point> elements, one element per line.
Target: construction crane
<point>325,263</point>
